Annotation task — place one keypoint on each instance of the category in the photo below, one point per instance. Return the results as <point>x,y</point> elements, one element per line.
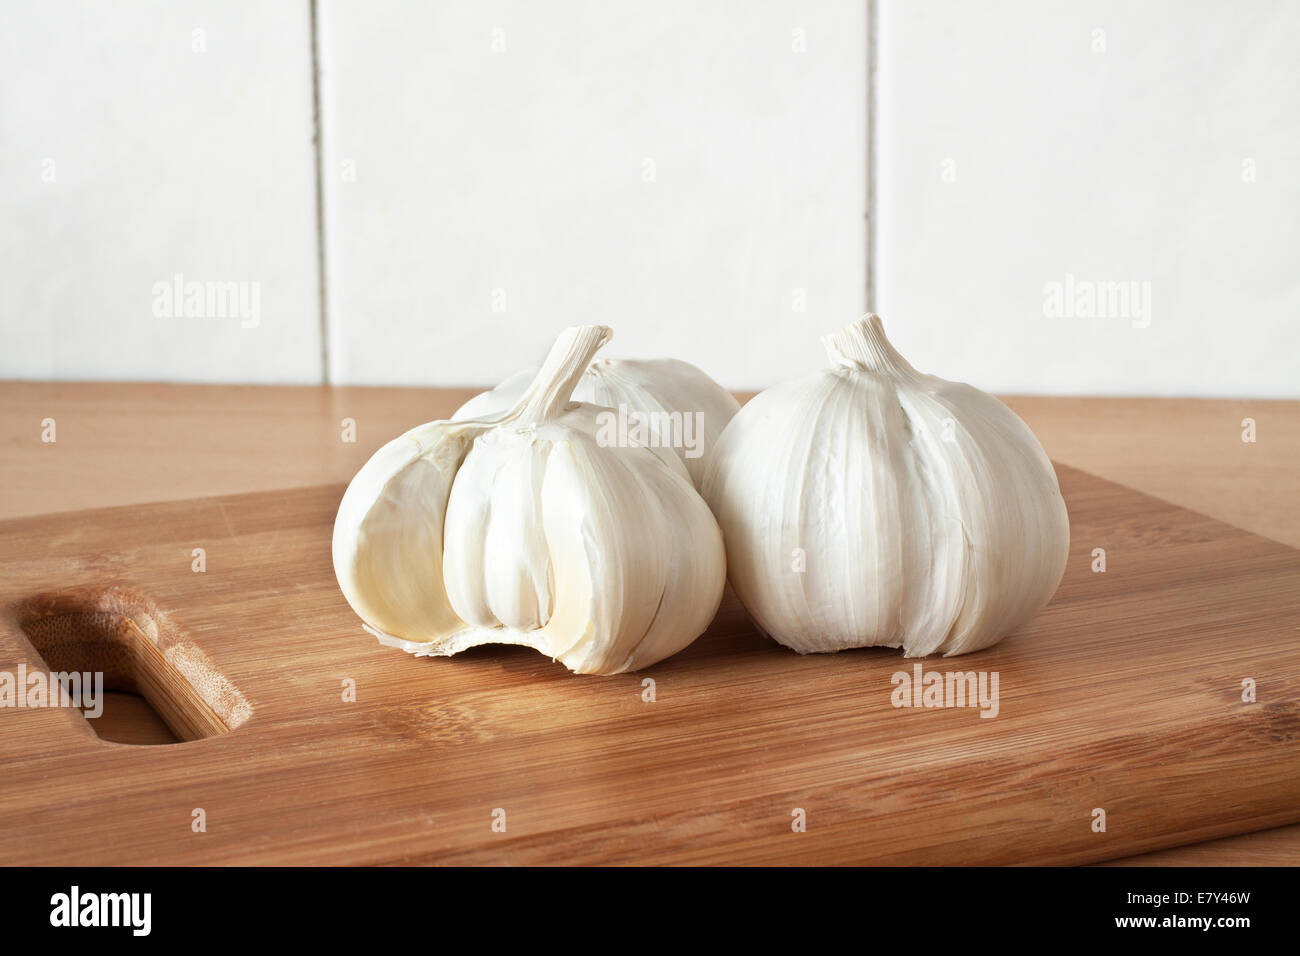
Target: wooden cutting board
<point>1124,695</point>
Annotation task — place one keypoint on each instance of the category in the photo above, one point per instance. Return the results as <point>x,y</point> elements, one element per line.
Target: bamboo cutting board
<point>1124,695</point>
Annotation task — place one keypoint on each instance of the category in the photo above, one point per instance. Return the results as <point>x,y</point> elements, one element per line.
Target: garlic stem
<point>552,388</point>
<point>862,346</point>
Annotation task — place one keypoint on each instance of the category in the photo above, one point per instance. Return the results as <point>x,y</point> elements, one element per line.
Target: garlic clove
<point>643,567</point>
<point>387,545</point>
<point>496,401</point>
<point>497,571</point>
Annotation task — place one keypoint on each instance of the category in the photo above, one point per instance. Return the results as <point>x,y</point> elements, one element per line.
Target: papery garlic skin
<point>523,529</point>
<point>654,387</point>
<point>872,505</point>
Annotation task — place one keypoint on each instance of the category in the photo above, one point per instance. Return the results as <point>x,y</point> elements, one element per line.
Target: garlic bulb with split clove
<point>873,505</point>
<point>525,529</point>
<point>672,402</point>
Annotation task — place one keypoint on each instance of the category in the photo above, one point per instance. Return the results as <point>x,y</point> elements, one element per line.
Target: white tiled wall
<point>1025,142</point>
<point>695,175</point>
<point>691,174</point>
<point>140,141</point>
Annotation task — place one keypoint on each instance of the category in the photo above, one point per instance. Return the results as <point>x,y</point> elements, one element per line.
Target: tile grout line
<point>319,149</point>
<point>873,23</point>
<point>318,142</point>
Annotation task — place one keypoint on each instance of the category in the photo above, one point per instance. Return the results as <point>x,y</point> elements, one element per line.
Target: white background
<point>720,181</point>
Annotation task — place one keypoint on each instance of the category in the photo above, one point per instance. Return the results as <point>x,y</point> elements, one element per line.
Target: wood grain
<point>124,636</point>
<point>123,443</point>
<point>1188,451</point>
<point>1278,847</point>
<point>1124,694</point>
<point>156,442</point>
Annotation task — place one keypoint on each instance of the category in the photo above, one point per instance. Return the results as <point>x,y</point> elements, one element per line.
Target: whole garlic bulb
<point>684,409</point>
<point>524,529</point>
<point>873,505</point>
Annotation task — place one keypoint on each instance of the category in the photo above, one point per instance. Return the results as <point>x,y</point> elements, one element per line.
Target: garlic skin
<point>654,387</point>
<point>523,529</point>
<point>924,513</point>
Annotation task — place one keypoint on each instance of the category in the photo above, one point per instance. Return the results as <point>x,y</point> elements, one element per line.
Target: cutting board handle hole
<point>154,686</point>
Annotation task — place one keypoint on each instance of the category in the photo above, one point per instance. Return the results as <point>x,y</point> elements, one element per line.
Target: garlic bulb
<point>676,404</point>
<point>525,529</point>
<point>873,505</point>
